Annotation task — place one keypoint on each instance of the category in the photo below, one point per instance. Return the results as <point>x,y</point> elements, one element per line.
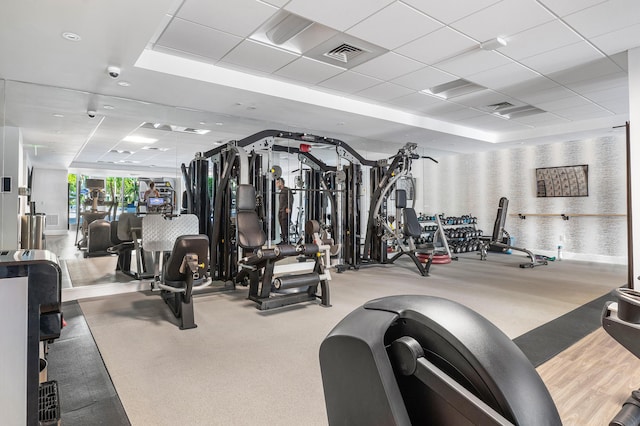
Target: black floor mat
<point>87,395</point>
<point>543,343</point>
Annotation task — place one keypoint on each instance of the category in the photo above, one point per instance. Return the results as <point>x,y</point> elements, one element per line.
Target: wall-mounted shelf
<point>566,216</point>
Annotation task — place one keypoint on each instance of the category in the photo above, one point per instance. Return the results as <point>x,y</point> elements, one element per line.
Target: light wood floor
<point>590,380</point>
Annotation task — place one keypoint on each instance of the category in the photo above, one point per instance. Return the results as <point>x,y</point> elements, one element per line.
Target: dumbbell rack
<point>462,233</point>
<point>433,233</point>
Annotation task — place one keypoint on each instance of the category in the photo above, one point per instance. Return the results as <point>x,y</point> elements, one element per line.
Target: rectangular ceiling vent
<point>453,89</point>
<point>500,106</point>
<point>344,53</point>
<point>518,112</point>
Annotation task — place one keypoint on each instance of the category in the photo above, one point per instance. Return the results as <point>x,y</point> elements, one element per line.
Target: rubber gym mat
<point>548,340</point>
<point>87,395</point>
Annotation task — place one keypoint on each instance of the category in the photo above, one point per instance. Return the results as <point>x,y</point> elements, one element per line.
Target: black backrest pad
<point>401,198</point>
<point>501,218</point>
<point>411,225</point>
<point>250,232</point>
<point>196,244</point>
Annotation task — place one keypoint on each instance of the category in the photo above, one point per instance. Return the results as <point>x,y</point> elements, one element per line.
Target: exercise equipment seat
<point>250,233</point>
<point>185,269</point>
<point>425,360</point>
<point>98,238</point>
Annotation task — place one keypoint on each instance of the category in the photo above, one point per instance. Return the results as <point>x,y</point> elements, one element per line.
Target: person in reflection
<point>285,205</point>
<point>152,192</point>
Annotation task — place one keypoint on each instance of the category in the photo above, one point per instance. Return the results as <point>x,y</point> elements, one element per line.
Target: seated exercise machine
<point>180,261</point>
<point>269,287</point>
<point>405,360</point>
<point>411,229</point>
<point>31,314</point>
<point>128,243</point>
<point>501,241</point>
<point>185,271</point>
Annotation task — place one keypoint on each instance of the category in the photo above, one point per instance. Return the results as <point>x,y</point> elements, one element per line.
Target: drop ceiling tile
<point>546,95</point>
<point>424,78</point>
<point>437,46</point>
<point>490,122</point>
<point>308,70</point>
<point>583,112</point>
<point>277,3</point>
<point>349,82</point>
<point>564,103</point>
<point>617,106</point>
<point>604,82</point>
<point>407,24</point>
<point>473,62</point>
<point>530,86</point>
<point>503,19</point>
<point>462,115</point>
<point>388,66</point>
<point>605,17</point>
<point>618,41</point>
<point>545,119</point>
<point>593,70</point>
<point>238,17</point>
<point>450,11</point>
<point>562,58</point>
<point>384,92</point>
<point>620,93</point>
<point>258,56</point>
<point>337,14</point>
<point>548,36</point>
<point>503,76</point>
<point>416,101</point>
<point>197,40</point>
<point>565,7</point>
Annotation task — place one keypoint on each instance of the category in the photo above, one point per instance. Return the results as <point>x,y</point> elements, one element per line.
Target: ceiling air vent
<point>453,88</point>
<point>500,106</point>
<point>344,53</point>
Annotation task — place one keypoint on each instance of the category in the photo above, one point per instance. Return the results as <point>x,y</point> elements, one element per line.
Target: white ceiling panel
<point>503,19</point>
<point>350,82</point>
<point>566,7</point>
<point>258,56</point>
<point>547,119</point>
<point>599,68</point>
<point>197,40</point>
<point>564,103</point>
<point>503,76</point>
<point>277,3</point>
<point>609,94</point>
<point>408,24</point>
<point>437,46</point>
<point>473,63</point>
<point>238,17</point>
<point>546,95</point>
<point>461,115</point>
<point>548,36</point>
<point>388,66</point>
<point>450,11</point>
<point>618,41</point>
<point>605,17</point>
<point>483,99</point>
<point>424,78</point>
<point>562,58</point>
<point>583,112</point>
<point>338,14</point>
<point>605,82</point>
<point>618,106</point>
<point>308,70</point>
<point>416,101</point>
<point>534,85</point>
<point>384,92</point>
<point>494,123</point>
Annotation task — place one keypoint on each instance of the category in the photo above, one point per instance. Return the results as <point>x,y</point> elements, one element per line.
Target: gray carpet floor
<point>242,366</point>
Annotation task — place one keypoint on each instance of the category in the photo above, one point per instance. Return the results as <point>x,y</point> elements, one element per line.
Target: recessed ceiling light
<point>57,114</point>
<point>139,139</point>
<point>109,107</point>
<point>218,124</point>
<point>124,83</point>
<point>71,36</point>
<point>202,123</point>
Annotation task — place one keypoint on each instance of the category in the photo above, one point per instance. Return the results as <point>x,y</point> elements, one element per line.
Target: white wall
<point>49,192</point>
<point>10,166</point>
<point>474,183</point>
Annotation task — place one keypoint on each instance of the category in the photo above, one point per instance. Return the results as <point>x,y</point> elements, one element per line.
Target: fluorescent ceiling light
<point>139,139</point>
<point>453,88</point>
<point>287,28</point>
<point>518,112</point>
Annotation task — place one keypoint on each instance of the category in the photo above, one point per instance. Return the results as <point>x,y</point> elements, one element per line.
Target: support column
<point>634,157</point>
